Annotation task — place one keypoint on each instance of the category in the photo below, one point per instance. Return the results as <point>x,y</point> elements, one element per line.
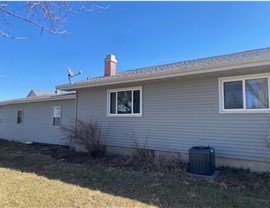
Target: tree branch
<point>2,34</point>
<point>32,22</point>
<point>48,16</point>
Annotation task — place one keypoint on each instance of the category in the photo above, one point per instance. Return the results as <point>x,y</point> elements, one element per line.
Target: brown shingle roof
<point>182,66</point>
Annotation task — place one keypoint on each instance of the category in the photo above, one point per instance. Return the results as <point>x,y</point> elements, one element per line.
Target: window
<point>19,116</point>
<point>233,95</point>
<point>245,94</point>
<point>125,102</point>
<point>257,95</point>
<point>56,116</point>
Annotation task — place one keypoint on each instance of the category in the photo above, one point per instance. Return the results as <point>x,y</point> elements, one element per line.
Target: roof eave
<point>160,75</point>
<point>37,99</point>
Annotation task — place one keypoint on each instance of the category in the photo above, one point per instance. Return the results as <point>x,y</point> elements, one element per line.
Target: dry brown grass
<point>20,189</point>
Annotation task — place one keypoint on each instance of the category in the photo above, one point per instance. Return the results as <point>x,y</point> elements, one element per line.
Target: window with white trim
<point>125,101</point>
<point>56,116</point>
<point>19,116</point>
<point>245,94</point>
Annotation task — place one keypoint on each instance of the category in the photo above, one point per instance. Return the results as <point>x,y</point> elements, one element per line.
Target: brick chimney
<point>110,65</point>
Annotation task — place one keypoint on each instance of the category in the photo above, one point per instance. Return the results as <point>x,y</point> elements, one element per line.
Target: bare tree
<point>48,16</point>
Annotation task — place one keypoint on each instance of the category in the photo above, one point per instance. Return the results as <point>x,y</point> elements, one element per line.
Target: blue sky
<point>139,34</point>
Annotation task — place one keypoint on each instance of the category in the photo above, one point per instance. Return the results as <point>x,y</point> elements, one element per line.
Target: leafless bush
<point>147,157</point>
<point>87,135</point>
<point>183,164</point>
<point>141,154</point>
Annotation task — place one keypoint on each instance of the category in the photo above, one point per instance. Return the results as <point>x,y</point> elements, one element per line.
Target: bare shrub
<point>87,135</point>
<point>182,162</point>
<point>147,157</point>
<point>174,163</point>
<point>141,154</point>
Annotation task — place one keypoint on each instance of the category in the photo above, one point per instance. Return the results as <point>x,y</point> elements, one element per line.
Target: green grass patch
<point>34,176</point>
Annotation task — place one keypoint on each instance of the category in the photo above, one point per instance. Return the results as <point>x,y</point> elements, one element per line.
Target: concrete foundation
<point>255,166</point>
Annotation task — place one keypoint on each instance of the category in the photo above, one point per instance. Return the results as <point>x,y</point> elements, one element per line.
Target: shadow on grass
<point>155,188</point>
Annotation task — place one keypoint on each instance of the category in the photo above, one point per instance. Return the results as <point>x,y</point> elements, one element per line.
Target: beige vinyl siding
<point>37,121</point>
<point>180,113</point>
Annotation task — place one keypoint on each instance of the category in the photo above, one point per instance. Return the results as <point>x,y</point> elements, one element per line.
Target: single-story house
<point>220,101</point>
<point>37,117</point>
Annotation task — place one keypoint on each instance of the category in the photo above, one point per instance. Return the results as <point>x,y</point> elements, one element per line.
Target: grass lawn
<point>31,177</point>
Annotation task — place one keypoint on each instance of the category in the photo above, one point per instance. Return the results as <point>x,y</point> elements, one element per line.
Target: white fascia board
<point>169,74</point>
<point>37,99</point>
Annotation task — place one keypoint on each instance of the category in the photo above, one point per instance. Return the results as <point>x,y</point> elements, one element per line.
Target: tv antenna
<point>71,74</point>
